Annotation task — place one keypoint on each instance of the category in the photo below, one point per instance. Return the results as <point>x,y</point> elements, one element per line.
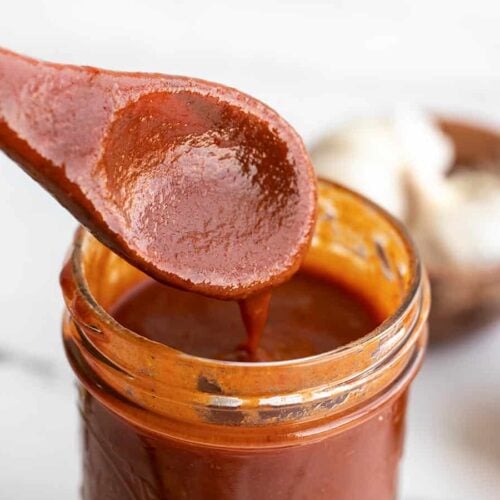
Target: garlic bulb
<point>365,157</point>
<point>402,163</point>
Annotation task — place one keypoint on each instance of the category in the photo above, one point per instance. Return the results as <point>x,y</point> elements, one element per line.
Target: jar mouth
<point>415,270</point>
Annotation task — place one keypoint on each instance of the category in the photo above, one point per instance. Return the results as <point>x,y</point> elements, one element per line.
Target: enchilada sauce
<point>208,190</point>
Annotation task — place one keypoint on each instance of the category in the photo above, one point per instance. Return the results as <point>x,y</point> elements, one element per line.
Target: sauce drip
<point>254,313</point>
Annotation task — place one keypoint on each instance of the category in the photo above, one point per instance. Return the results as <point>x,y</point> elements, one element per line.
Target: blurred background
<point>319,64</point>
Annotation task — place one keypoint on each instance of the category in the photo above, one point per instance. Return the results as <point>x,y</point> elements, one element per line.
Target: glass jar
<point>160,424</point>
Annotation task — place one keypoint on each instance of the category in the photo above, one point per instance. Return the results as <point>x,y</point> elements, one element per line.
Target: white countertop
<point>359,58</point>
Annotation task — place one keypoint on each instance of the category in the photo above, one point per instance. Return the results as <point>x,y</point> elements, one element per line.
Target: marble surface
<point>358,58</point>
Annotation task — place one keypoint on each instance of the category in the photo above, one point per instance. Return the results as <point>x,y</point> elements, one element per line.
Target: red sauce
<point>360,463</point>
<point>205,189</point>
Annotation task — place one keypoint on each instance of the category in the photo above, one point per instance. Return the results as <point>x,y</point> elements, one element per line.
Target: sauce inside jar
<point>308,315</point>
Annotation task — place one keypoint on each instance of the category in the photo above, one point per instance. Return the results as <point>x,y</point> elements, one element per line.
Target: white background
<point>318,63</point>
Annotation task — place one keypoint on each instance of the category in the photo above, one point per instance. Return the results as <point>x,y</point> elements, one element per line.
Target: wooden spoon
<point>197,184</point>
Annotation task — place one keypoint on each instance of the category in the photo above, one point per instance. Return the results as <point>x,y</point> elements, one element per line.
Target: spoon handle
<point>49,125</point>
